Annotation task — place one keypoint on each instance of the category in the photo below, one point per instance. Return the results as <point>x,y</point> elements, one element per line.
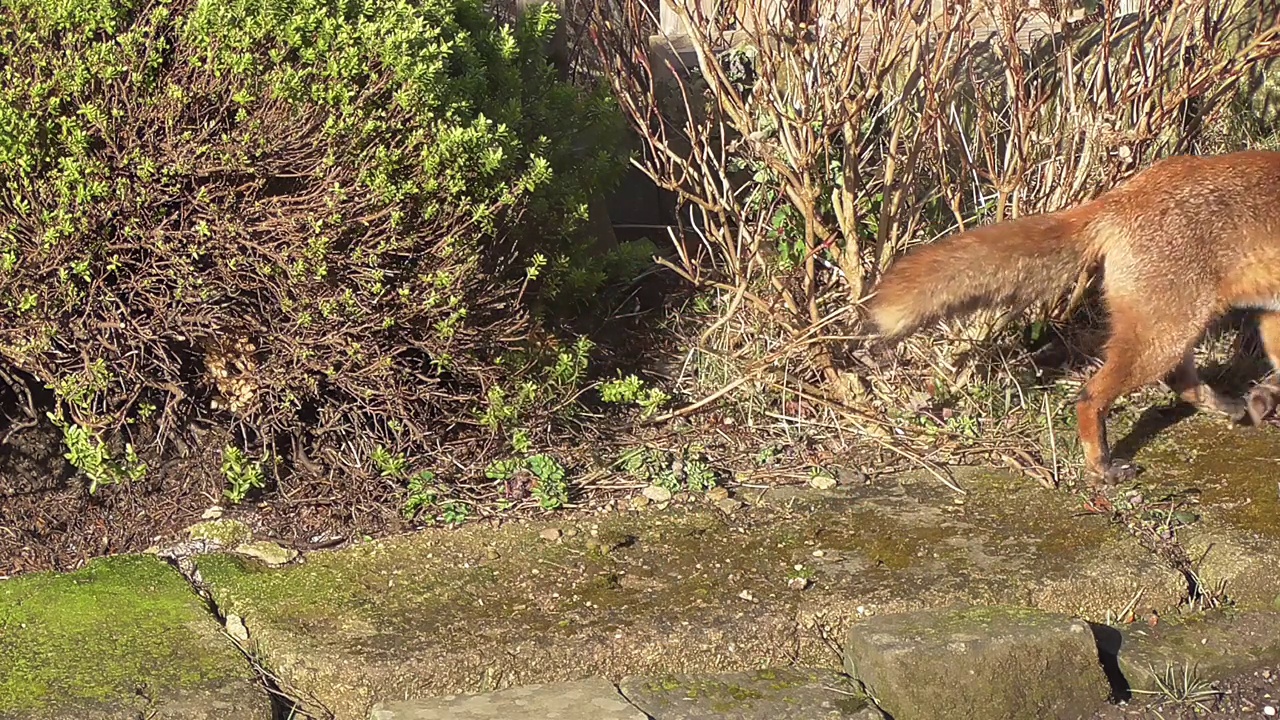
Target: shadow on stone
<point>1150,425</point>
<point>1109,641</point>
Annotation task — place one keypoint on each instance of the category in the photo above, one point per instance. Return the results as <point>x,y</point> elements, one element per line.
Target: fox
<point>1178,245</point>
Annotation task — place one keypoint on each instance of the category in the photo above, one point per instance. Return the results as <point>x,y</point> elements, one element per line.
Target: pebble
<point>851,477</point>
<point>492,554</point>
<point>1269,711</point>
<point>571,532</point>
<point>550,534</point>
<point>822,482</point>
<point>212,513</point>
<point>236,629</point>
<point>657,493</point>
<point>798,583</point>
<point>717,493</point>
<point>639,502</point>
<point>223,532</point>
<point>729,506</point>
<point>268,552</point>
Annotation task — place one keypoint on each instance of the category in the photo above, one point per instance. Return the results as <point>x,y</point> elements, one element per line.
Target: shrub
<point>810,148</point>
<point>313,220</point>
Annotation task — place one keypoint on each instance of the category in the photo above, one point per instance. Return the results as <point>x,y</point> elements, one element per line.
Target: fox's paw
<point>1237,410</point>
<point>1115,473</point>
<point>1262,402</point>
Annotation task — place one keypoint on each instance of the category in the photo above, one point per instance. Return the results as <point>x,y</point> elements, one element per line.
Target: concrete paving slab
<point>689,589</point>
<point>592,699</point>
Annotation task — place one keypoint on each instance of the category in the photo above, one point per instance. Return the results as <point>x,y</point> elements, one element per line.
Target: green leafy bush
<point>311,219</point>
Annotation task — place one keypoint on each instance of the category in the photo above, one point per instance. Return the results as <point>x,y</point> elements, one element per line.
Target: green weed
<point>89,454</point>
<point>242,474</point>
<point>631,389</point>
<point>422,494</point>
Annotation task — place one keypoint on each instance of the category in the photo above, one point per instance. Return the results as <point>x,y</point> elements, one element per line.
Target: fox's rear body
<point>1179,244</point>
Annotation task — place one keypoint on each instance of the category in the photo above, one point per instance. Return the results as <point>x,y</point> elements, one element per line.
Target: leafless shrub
<point>809,146</point>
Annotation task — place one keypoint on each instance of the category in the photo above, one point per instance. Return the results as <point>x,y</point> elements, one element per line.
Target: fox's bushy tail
<point>1016,262</point>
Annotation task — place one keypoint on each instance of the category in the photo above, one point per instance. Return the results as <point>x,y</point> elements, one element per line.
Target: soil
<point>49,521</point>
<point>1246,695</point>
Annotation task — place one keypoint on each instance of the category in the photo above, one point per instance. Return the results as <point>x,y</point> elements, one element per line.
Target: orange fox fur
<point>1179,244</point>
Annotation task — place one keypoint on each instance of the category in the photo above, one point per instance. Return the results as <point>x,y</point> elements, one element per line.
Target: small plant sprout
<point>520,441</point>
<point>551,491</point>
<point>768,455</point>
<point>550,487</point>
<point>698,475</point>
<point>89,454</point>
<point>455,513</point>
<point>422,494</point>
<point>690,471</point>
<point>572,363</point>
<point>388,465</point>
<point>242,474</point>
<point>631,390</point>
<point>1182,685</point>
<point>502,469</point>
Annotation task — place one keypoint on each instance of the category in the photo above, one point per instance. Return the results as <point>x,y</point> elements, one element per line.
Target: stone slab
<point>773,694</point>
<point>123,637</point>
<point>1230,477</point>
<point>688,589</point>
<point>591,699</point>
<point>1212,646</point>
<point>995,663</point>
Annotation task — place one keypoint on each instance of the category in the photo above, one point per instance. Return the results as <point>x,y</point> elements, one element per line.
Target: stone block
<point>993,662</point>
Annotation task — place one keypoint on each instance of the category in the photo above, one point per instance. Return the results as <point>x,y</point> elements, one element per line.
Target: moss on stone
<point>96,636</point>
<point>1231,467</point>
<point>784,693</point>
<point>1229,472</point>
<point>1000,663</point>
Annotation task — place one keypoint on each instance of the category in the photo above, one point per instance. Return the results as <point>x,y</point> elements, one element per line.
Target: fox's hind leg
<point>1263,399</point>
<point>1185,381</point>
<point>1143,349</point>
